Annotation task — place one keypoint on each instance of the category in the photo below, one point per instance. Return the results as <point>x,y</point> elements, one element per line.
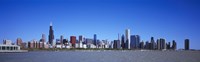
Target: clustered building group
<point>126,41</point>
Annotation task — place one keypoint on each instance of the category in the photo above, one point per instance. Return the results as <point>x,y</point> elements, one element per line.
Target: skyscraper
<point>42,41</point>
<point>135,41</point>
<point>158,44</point>
<point>187,46</point>
<point>65,42</point>
<point>147,45</point>
<point>19,41</point>
<point>73,41</point>
<point>89,41</point>
<point>116,44</point>
<point>51,35</point>
<point>43,38</point>
<point>152,43</point>
<point>127,38</point>
<point>168,45</point>
<point>61,41</point>
<point>142,45</point>
<point>119,37</point>
<point>162,44</point>
<point>173,45</point>
<point>95,39</point>
<point>80,41</point>
<point>122,42</point>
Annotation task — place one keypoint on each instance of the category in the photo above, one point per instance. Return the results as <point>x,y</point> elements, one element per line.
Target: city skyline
<point>131,42</point>
<point>31,21</point>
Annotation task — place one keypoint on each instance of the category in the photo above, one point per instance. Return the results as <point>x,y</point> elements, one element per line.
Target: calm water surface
<point>102,56</point>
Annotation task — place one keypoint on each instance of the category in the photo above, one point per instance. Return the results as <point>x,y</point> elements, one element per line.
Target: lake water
<point>102,56</point>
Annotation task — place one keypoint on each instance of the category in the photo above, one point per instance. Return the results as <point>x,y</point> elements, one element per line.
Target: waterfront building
<point>147,45</point>
<point>30,45</point>
<point>101,44</point>
<point>58,42</point>
<point>65,42</point>
<point>116,44</point>
<point>123,42</point>
<point>168,45</point>
<point>77,45</point>
<point>135,40</point>
<point>153,46</point>
<point>111,44</point>
<point>61,40</point>
<point>51,35</point>
<point>95,39</point>
<point>42,41</point>
<point>33,44</point>
<point>43,38</point>
<point>80,43</point>
<point>41,44</point>
<point>10,48</point>
<point>158,44</point>
<point>187,46</point>
<point>174,46</point>
<point>89,41</point>
<point>73,41</point>
<point>141,45</point>
<point>162,44</point>
<point>46,46</point>
<point>19,41</point>
<point>84,46</point>
<point>37,44</point>
<point>106,44</point>
<point>91,46</point>
<point>24,45</point>
<point>127,32</point>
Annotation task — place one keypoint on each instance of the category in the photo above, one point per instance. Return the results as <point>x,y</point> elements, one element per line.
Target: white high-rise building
<point>127,38</point>
<point>81,38</point>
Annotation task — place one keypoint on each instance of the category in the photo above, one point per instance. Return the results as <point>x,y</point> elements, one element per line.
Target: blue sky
<point>169,19</point>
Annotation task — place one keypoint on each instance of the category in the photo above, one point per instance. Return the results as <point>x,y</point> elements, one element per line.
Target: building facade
<point>51,34</point>
<point>127,32</point>
<point>187,46</point>
<point>135,41</point>
<point>73,41</point>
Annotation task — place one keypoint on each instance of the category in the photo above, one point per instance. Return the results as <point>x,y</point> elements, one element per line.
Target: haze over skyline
<point>169,19</point>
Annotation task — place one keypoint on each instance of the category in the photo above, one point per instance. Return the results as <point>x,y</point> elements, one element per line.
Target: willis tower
<point>51,36</point>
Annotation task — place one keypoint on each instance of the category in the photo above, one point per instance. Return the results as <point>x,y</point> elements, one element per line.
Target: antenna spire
<point>50,23</point>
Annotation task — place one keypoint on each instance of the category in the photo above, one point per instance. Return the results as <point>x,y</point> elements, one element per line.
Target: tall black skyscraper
<point>95,39</point>
<point>122,42</point>
<point>187,44</point>
<point>152,43</point>
<point>51,35</point>
<point>174,45</point>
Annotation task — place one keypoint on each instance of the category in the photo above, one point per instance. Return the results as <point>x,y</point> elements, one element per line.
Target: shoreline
<point>97,49</point>
<point>14,51</point>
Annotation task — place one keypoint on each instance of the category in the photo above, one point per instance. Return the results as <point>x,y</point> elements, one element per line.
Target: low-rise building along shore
<point>10,48</point>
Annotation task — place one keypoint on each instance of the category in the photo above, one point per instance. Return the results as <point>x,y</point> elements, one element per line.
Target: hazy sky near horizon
<point>169,19</point>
